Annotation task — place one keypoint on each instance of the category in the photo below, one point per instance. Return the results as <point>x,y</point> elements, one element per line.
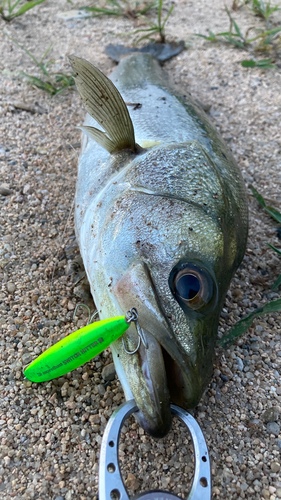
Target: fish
<point>161,219</point>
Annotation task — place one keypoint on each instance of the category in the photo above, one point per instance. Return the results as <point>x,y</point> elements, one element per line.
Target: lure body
<point>76,349</point>
<point>161,220</point>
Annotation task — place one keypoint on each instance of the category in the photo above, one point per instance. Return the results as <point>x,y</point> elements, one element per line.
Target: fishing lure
<point>79,347</point>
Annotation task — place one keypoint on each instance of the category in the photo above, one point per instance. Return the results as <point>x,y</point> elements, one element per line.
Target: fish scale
<point>161,225</point>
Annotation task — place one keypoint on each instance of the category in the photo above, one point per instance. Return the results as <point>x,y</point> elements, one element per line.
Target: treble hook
<point>132,316</point>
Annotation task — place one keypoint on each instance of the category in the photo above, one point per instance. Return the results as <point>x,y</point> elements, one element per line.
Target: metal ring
<point>110,479</point>
<point>132,315</point>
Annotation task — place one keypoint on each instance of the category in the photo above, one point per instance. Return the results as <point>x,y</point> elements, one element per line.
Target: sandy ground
<point>51,433</point>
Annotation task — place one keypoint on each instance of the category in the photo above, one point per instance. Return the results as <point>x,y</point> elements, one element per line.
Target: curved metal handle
<point>110,481</point>
<point>202,485</point>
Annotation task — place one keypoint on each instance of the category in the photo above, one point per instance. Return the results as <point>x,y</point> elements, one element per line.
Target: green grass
<point>262,9</point>
<point>262,63</point>
<point>276,215</point>
<point>122,8</point>
<point>274,305</point>
<point>134,9</point>
<point>52,82</point>
<point>9,10</point>
<point>157,28</point>
<point>263,40</point>
<point>242,326</point>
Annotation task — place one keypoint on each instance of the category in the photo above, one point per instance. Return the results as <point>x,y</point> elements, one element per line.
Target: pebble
<point>4,191</point>
<point>11,287</point>
<point>108,372</point>
<point>275,466</point>
<point>273,428</point>
<point>27,357</point>
<point>270,415</point>
<point>131,482</point>
<point>239,363</point>
<point>101,389</point>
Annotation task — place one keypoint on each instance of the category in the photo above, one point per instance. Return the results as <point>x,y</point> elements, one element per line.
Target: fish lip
<point>178,364</point>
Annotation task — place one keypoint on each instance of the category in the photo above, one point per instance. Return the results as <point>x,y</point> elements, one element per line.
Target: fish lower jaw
<point>161,382</point>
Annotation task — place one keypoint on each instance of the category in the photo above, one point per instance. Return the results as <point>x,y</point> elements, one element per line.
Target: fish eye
<point>192,285</point>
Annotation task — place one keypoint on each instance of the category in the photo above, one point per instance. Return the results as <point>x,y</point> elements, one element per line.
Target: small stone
<point>240,364</point>
<point>26,358</point>
<point>132,482</point>
<point>275,466</point>
<point>7,461</point>
<point>94,419</point>
<point>250,375</point>
<point>11,287</point>
<point>4,191</point>
<point>101,389</point>
<point>70,306</point>
<point>26,189</point>
<point>70,405</point>
<point>273,428</point>
<point>108,372</point>
<point>270,415</point>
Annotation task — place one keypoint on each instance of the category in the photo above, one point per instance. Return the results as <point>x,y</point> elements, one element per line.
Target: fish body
<point>162,226</point>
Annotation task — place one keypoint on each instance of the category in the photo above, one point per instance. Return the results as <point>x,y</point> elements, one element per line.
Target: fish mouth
<point>158,375</point>
<point>183,385</point>
<point>165,371</point>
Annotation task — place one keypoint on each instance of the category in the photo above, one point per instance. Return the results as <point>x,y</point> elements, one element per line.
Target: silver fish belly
<point>161,220</point>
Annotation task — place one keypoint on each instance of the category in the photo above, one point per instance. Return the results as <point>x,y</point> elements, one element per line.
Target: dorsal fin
<point>105,104</point>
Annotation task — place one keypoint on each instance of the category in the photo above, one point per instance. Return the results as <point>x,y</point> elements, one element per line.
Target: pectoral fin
<point>105,104</point>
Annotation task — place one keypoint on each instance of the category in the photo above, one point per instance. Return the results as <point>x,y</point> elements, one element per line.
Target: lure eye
<point>193,286</point>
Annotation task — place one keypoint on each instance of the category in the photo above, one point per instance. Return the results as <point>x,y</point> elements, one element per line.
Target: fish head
<point>172,259</point>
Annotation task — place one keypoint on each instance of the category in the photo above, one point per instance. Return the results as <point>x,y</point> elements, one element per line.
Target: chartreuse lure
<point>76,349</point>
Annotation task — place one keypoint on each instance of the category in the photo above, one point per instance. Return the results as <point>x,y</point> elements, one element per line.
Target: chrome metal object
<point>111,486</point>
<point>132,316</point>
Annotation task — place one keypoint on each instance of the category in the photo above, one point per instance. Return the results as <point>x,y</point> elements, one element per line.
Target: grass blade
<point>249,63</point>
<point>258,197</point>
<point>40,84</point>
<point>27,6</point>
<point>277,283</point>
<point>273,248</point>
<point>167,16</point>
<point>242,326</point>
<point>262,63</point>
<point>275,214</point>
<point>12,7</point>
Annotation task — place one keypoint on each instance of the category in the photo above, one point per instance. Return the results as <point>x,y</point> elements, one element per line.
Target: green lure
<point>76,349</point>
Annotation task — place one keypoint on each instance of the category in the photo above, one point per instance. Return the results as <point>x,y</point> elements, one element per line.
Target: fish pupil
<point>188,286</point>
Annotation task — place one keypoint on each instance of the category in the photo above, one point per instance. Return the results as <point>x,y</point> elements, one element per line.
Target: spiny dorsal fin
<point>105,104</point>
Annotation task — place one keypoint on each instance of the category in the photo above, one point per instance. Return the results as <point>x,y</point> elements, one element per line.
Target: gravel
<point>50,433</point>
